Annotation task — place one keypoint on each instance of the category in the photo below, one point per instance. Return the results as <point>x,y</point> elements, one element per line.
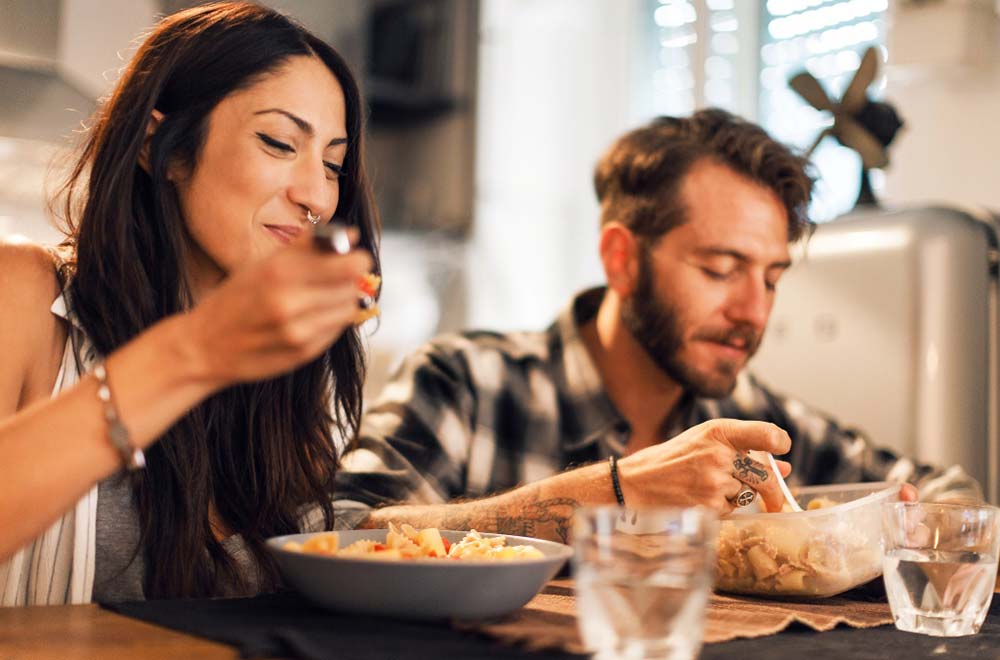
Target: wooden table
<point>87,632</point>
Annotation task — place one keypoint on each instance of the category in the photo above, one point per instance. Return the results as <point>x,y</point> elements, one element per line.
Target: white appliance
<point>888,322</point>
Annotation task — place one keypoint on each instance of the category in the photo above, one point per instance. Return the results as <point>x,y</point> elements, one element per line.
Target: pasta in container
<point>832,546</point>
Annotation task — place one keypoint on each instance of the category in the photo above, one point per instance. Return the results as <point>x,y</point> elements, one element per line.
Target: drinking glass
<point>643,578</point>
<point>940,565</point>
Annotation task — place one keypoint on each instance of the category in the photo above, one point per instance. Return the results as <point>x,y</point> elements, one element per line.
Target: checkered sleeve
<point>413,443</point>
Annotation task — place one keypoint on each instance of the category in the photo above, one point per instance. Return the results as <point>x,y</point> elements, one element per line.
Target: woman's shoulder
<point>30,334</point>
<point>28,287</point>
<point>28,278</point>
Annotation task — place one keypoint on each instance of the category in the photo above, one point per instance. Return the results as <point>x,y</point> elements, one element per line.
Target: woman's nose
<point>311,189</point>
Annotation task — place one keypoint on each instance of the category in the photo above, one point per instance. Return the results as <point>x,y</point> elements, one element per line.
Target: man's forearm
<point>543,509</point>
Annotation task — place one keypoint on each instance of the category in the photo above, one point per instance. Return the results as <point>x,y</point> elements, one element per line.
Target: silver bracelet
<point>132,456</point>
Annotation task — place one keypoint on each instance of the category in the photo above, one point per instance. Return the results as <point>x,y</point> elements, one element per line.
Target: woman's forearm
<point>53,451</point>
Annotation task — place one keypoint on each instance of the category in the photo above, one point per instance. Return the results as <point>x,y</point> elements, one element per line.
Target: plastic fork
<point>784,487</point>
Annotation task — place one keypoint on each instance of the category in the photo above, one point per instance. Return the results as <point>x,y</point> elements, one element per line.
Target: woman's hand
<point>908,493</point>
<point>698,466</point>
<point>278,313</point>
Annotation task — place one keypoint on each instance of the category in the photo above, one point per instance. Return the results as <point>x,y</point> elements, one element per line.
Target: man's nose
<point>750,304</point>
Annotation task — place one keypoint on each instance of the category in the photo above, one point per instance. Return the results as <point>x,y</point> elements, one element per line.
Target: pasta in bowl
<point>379,571</point>
<point>407,542</point>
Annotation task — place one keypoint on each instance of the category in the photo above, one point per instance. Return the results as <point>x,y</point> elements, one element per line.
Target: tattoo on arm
<point>546,519</point>
<point>539,518</point>
<point>554,514</point>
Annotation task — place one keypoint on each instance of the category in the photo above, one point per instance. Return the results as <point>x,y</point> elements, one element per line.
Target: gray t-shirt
<point>119,570</point>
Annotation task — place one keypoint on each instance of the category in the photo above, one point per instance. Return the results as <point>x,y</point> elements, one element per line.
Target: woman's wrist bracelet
<point>132,456</point>
<point>615,483</point>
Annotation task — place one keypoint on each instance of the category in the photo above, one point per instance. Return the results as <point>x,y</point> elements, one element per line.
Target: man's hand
<point>698,466</point>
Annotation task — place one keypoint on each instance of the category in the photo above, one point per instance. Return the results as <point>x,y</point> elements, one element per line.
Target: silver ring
<point>332,237</point>
<point>745,497</point>
<point>340,240</point>
<point>313,219</point>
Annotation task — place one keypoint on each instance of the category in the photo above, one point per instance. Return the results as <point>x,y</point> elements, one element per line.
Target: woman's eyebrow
<point>303,125</point>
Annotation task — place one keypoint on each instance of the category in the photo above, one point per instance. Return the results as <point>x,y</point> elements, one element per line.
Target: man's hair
<point>638,180</point>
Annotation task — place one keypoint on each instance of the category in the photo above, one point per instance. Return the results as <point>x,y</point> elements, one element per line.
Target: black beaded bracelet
<point>613,460</point>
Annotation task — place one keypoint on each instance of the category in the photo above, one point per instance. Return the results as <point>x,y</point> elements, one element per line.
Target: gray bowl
<point>418,588</point>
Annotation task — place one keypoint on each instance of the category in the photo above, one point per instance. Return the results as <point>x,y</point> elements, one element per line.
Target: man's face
<point>706,288</point>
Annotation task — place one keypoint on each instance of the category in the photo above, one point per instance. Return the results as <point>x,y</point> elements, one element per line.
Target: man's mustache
<point>746,336</point>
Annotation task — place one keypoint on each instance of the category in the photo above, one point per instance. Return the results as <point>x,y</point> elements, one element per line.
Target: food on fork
<point>368,286</point>
<point>333,237</point>
<point>407,542</point>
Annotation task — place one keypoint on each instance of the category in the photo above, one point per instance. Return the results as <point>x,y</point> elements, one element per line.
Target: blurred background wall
<point>487,117</point>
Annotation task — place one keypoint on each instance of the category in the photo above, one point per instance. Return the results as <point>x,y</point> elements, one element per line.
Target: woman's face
<point>271,151</point>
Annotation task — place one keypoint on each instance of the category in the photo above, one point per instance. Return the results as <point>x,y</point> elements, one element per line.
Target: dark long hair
<point>259,453</point>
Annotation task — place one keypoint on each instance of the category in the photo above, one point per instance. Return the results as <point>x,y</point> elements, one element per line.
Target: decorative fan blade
<point>854,135</point>
<point>855,96</point>
<point>806,85</point>
<point>819,138</point>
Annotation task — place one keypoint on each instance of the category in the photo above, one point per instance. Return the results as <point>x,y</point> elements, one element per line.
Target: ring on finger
<point>744,497</point>
<point>333,237</point>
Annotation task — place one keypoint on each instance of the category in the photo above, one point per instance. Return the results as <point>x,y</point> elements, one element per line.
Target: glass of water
<point>643,577</point>
<point>940,565</point>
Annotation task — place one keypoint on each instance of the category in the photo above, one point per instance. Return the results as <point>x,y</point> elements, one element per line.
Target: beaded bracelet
<point>613,460</point>
<point>132,456</point>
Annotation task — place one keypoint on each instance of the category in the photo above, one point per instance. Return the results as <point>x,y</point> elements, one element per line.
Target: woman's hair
<point>638,181</point>
<point>259,453</point>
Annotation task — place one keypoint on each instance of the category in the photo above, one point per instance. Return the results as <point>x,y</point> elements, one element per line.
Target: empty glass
<point>940,565</point>
<point>642,580</point>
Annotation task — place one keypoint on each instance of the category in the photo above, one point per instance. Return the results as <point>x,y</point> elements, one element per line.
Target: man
<point>696,218</point>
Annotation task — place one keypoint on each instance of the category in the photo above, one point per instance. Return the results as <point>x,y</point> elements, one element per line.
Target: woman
<point>200,324</point>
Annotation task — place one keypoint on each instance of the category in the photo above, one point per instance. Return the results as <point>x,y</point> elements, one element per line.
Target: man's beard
<point>658,329</point>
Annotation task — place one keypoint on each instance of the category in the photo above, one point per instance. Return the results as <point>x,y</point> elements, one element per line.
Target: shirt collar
<point>595,418</point>
<point>684,415</point>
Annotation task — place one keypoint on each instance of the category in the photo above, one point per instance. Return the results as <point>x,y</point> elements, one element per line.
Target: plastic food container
<point>832,546</point>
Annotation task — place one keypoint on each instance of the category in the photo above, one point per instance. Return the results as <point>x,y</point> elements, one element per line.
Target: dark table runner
<point>285,625</point>
<point>801,643</point>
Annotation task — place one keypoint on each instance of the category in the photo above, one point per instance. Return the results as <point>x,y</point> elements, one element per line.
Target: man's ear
<point>619,249</point>
<point>155,119</point>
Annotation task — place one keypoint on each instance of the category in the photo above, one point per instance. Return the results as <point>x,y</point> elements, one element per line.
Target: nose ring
<point>313,219</point>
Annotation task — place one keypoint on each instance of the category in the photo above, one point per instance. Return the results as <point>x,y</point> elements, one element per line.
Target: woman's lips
<point>284,233</point>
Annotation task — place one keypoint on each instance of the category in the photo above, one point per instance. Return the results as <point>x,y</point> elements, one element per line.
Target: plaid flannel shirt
<point>476,413</point>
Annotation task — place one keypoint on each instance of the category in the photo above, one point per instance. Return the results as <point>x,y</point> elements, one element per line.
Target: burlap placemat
<point>549,620</point>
